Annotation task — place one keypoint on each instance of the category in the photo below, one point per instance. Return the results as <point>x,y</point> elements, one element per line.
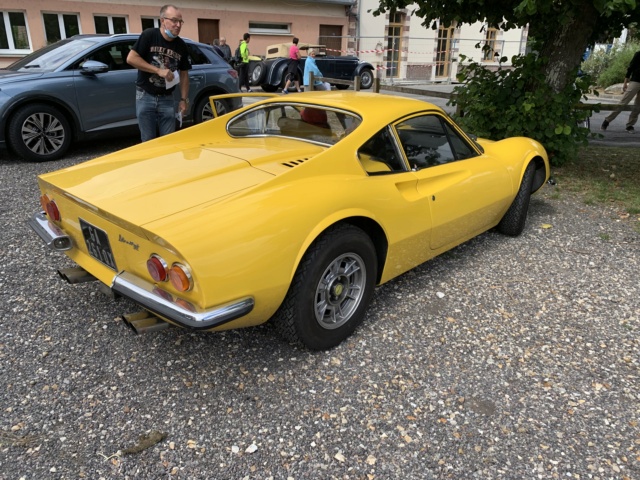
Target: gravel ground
<point>506,358</point>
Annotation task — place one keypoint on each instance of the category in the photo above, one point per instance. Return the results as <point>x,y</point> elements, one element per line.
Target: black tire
<point>331,289</point>
<point>257,73</point>
<point>513,221</point>
<point>203,111</point>
<point>287,76</point>
<point>340,86</point>
<point>366,78</point>
<point>39,133</point>
<point>269,88</point>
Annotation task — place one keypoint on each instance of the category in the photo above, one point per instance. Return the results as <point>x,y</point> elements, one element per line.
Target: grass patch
<point>604,175</point>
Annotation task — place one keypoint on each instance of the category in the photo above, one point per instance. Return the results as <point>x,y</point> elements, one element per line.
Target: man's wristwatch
<point>185,100</point>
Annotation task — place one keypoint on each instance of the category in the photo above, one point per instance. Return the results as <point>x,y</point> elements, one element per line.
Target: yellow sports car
<point>291,209</point>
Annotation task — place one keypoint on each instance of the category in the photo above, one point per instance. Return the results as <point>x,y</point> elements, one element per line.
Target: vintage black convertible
<point>271,73</point>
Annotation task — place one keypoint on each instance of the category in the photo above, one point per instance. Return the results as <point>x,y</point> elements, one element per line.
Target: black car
<point>271,73</point>
<point>82,87</point>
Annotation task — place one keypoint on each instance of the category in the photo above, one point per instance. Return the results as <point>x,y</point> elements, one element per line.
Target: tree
<point>537,96</point>
<point>562,30</point>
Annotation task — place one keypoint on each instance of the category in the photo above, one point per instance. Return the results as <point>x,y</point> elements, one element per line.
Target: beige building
<point>398,46</point>
<point>28,25</point>
<point>401,48</point>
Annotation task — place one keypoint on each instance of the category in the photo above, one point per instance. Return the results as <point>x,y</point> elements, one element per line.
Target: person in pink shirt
<point>292,69</point>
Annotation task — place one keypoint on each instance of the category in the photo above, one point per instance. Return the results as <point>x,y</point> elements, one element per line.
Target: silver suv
<point>82,87</point>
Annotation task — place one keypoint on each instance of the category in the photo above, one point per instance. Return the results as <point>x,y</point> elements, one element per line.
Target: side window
<point>379,155</point>
<point>196,57</point>
<point>103,55</point>
<point>460,146</point>
<point>113,55</point>
<point>425,141</point>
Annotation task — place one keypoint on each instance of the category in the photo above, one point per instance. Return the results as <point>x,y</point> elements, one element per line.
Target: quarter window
<point>379,155</point>
<point>428,140</point>
<point>110,24</point>
<point>60,25</point>
<point>14,34</point>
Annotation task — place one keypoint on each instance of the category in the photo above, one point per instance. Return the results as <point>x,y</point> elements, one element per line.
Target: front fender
<point>363,66</point>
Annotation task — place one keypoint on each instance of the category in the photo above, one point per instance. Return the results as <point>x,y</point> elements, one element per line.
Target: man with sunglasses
<point>161,58</point>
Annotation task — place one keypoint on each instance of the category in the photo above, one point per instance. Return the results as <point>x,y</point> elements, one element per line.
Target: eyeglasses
<point>174,20</point>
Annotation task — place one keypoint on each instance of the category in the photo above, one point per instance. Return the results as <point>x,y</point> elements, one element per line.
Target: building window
<point>150,22</point>
<point>110,24</point>
<point>14,34</point>
<point>443,53</point>
<point>489,49</point>
<point>270,28</point>
<point>60,25</point>
<point>394,44</point>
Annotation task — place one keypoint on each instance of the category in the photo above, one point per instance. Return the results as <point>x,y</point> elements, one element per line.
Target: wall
<point>234,17</point>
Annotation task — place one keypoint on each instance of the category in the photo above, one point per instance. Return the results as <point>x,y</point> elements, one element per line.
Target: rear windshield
<point>299,121</point>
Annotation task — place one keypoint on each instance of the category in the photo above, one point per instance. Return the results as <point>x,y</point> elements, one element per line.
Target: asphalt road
<point>506,358</point>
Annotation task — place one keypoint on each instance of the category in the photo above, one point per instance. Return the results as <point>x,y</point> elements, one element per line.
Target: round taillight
<point>50,207</point>
<point>157,268</point>
<point>180,277</point>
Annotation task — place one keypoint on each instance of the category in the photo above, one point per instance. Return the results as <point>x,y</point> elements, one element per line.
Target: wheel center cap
<point>338,288</point>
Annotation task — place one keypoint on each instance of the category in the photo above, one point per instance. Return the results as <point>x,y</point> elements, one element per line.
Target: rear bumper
<point>145,293</point>
<point>163,304</point>
<point>51,234</point>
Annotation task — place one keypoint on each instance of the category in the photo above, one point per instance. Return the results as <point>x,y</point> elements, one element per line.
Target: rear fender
<point>277,70</point>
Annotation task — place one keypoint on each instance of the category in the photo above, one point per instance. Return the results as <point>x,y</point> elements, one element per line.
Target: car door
<point>467,191</point>
<point>342,67</point>
<point>201,67</point>
<point>404,213</point>
<point>107,100</point>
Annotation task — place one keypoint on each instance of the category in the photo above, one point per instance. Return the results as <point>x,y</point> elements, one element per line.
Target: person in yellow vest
<point>243,71</point>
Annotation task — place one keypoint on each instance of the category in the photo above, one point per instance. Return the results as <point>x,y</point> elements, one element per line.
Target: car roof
<point>365,104</point>
<point>106,36</point>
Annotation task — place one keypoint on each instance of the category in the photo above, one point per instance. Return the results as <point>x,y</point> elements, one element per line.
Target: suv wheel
<point>203,110</point>
<point>39,133</point>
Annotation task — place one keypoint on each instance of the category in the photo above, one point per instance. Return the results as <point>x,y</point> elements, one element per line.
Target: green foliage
<point>518,102</point>
<point>609,68</point>
<point>597,63</point>
<point>617,68</point>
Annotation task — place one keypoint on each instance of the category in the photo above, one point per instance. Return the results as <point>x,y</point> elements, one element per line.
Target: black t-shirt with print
<point>157,51</point>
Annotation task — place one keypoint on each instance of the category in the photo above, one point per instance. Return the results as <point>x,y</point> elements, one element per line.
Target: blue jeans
<point>156,114</point>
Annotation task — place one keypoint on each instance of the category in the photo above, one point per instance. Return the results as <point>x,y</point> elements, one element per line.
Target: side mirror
<point>91,67</point>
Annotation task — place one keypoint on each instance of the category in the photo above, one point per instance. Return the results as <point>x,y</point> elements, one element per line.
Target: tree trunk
<point>567,44</point>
